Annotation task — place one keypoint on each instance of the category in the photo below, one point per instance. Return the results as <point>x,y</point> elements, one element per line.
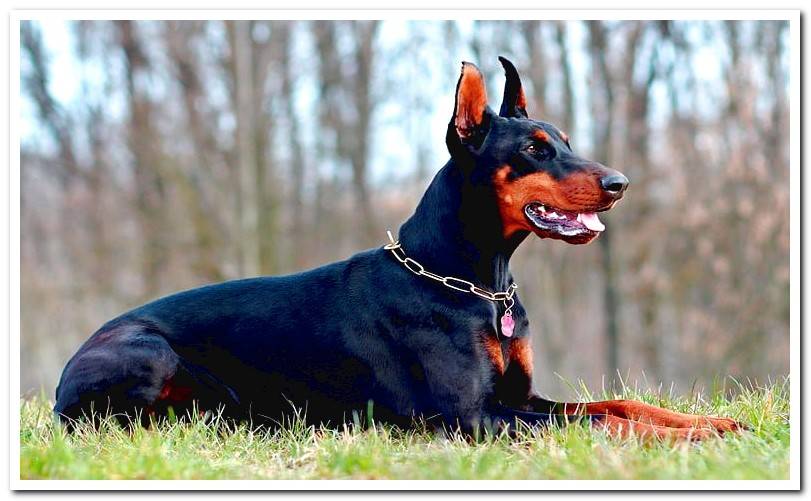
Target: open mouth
<point>563,224</point>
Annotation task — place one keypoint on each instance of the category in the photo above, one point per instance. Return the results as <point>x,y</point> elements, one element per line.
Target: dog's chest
<point>498,350</point>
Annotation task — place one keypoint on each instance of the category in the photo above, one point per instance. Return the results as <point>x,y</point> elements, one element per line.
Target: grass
<point>196,450</point>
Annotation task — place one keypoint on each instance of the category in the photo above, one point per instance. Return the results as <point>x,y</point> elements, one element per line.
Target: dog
<point>428,326</point>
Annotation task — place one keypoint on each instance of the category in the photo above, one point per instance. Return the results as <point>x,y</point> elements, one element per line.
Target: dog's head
<point>539,184</point>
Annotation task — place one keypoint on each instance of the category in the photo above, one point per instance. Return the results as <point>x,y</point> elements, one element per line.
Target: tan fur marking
<point>520,353</point>
<point>542,135</point>
<point>471,100</point>
<point>647,433</point>
<point>578,192</point>
<point>493,348</point>
<point>649,415</point>
<point>521,101</point>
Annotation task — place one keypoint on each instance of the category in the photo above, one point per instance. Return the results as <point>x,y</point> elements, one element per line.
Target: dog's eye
<point>540,151</point>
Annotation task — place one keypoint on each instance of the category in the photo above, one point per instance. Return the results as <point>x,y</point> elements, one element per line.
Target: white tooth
<point>578,218</point>
<point>553,215</point>
<point>543,209</point>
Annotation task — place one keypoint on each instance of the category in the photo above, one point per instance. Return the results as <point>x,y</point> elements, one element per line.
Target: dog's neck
<point>456,231</point>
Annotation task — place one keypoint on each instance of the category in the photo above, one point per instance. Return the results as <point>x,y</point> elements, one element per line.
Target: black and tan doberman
<point>429,325</point>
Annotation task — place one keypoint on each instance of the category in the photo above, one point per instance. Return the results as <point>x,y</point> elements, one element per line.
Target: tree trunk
<point>603,137</point>
<point>246,149</point>
<point>36,82</point>
<point>359,157</point>
<point>204,217</point>
<point>537,68</point>
<point>143,145</point>
<point>298,167</point>
<point>264,54</point>
<point>330,118</point>
<point>638,164</point>
<point>566,70</point>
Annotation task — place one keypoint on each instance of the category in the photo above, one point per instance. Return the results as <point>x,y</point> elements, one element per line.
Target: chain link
<point>451,282</point>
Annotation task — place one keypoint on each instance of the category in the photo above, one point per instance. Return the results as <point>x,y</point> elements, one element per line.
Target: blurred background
<point>160,156</point>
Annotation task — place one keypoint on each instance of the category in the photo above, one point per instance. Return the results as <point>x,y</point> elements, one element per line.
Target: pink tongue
<point>591,221</point>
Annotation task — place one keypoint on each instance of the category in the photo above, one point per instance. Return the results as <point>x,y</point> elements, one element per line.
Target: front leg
<point>507,418</point>
<point>636,411</point>
<point>460,378</point>
<point>513,389</point>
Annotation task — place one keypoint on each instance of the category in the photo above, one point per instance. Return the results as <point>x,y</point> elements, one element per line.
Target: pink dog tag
<point>507,324</point>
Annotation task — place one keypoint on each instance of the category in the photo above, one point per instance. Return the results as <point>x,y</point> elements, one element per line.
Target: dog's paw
<point>725,425</point>
<point>693,434</point>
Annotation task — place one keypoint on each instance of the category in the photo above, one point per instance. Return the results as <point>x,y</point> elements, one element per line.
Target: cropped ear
<point>471,104</point>
<point>514,103</point>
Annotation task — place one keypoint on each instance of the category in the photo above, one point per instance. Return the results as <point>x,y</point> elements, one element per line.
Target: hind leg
<point>120,371</point>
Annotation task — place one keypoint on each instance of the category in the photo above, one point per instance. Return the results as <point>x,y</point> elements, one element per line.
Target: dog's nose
<point>614,184</point>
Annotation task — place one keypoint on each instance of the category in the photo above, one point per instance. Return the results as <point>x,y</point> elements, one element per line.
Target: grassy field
<point>199,451</point>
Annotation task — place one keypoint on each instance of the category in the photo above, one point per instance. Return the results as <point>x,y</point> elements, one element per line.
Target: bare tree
<point>267,51</point>
<point>603,112</point>
<point>36,80</point>
<point>568,115</point>
<point>637,165</point>
<point>298,166</point>
<point>330,116</point>
<point>348,105</point>
<point>538,66</point>
<point>205,218</point>
<point>361,92</point>
<point>144,148</point>
<point>246,148</point>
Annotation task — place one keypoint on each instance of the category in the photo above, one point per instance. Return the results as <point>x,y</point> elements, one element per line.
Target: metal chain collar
<point>452,282</point>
